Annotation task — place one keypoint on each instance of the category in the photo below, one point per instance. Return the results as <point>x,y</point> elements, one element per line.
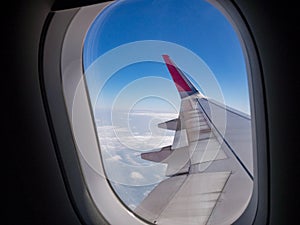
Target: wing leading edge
<point>210,171</point>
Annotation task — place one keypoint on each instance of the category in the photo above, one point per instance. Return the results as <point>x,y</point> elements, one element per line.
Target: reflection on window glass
<point>168,87</point>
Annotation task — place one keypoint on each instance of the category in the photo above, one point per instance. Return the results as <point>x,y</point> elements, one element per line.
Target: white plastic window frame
<point>73,127</point>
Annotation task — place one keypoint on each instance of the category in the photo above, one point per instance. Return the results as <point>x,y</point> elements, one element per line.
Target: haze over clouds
<point>132,177</point>
<point>136,175</point>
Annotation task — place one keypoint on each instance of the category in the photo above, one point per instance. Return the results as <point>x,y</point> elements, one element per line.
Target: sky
<point>195,25</point>
<point>131,90</point>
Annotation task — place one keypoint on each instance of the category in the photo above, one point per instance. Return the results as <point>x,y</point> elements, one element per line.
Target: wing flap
<point>206,151</point>
<point>190,202</point>
<point>153,205</point>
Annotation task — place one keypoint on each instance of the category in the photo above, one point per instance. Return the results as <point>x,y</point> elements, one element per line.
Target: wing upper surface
<point>209,168</point>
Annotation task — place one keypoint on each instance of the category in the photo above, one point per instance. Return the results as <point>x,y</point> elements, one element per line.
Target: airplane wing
<point>209,165</point>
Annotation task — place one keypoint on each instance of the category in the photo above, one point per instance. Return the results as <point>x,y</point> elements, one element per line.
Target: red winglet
<point>175,72</point>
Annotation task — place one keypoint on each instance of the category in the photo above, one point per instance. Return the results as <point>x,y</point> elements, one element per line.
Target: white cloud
<point>146,193</point>
<point>161,115</point>
<point>114,158</point>
<point>136,175</point>
<point>158,176</point>
<point>112,138</point>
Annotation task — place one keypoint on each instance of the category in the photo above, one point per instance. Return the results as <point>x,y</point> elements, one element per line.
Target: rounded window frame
<point>57,83</point>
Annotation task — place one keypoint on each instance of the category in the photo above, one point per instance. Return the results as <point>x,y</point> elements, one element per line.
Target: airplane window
<point>169,92</point>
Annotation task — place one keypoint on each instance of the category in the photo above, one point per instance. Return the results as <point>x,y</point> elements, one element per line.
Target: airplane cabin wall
<point>36,193</point>
<point>274,26</point>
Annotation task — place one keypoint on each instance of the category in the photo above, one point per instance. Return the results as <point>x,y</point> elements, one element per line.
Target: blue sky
<point>195,25</point>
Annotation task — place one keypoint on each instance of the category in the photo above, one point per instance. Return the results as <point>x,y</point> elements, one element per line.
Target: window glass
<point>132,91</point>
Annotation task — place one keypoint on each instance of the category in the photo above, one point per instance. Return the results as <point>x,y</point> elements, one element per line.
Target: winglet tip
<point>165,57</point>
